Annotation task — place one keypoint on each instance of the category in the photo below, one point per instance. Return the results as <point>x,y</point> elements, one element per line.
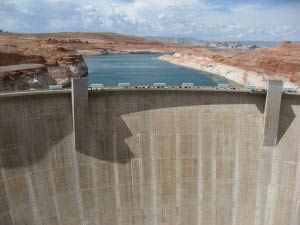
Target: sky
<point>222,20</point>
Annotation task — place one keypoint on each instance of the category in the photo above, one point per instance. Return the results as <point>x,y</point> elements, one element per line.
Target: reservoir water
<point>144,69</point>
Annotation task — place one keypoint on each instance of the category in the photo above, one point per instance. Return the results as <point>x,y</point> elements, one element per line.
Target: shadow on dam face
<point>287,114</point>
<point>30,127</point>
<point>106,145</point>
<point>151,158</point>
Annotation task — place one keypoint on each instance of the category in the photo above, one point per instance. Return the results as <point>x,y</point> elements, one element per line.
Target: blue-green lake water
<point>144,69</point>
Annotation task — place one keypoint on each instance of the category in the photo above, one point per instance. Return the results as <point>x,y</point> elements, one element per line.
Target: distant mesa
<point>286,44</point>
<point>218,45</point>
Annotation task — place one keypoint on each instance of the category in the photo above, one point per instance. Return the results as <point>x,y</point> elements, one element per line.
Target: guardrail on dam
<point>150,157</point>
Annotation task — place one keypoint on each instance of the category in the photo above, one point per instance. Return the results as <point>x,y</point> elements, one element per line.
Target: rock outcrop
<point>70,66</point>
<point>32,76</point>
<point>21,72</point>
<point>7,59</point>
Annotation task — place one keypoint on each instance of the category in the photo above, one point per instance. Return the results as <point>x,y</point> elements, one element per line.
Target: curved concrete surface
<point>150,158</point>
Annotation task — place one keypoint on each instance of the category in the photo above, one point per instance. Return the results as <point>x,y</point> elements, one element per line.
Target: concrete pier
<point>272,112</point>
<point>149,157</point>
<point>80,112</point>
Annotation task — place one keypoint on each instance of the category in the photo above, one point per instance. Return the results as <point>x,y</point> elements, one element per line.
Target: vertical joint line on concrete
<point>272,112</point>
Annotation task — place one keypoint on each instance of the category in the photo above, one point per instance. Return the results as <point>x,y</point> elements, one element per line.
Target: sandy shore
<point>238,75</point>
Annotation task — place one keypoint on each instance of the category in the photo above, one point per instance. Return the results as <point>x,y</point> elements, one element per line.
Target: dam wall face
<point>36,146</point>
<point>152,157</point>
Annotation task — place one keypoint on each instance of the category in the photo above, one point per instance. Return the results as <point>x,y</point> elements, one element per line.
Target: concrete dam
<point>150,157</point>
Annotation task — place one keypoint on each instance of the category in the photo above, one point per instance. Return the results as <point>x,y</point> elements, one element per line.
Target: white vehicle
<point>55,87</point>
<point>97,85</point>
<point>159,84</point>
<point>124,84</point>
<point>289,90</point>
<point>187,85</point>
<point>249,87</point>
<point>223,86</point>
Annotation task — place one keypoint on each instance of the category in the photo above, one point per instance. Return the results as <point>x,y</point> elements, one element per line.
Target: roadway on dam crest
<point>147,157</point>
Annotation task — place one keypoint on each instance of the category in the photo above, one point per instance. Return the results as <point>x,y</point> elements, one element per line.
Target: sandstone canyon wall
<point>23,72</point>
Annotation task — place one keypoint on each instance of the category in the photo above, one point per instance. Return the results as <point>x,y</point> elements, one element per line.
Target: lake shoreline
<point>235,74</point>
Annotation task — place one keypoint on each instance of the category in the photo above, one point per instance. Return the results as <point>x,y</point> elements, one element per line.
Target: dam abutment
<point>125,156</point>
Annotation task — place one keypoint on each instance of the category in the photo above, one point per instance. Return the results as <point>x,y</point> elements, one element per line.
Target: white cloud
<point>199,18</point>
